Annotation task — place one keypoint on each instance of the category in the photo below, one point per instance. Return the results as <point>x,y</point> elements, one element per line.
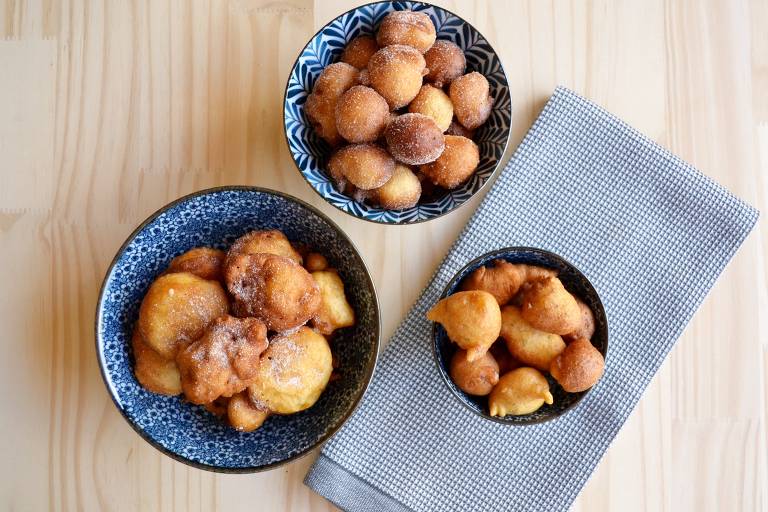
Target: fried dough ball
<point>519,392</point>
<point>433,102</point>
<point>359,50</point>
<point>218,407</point>
<point>361,114</point>
<point>264,242</point>
<point>334,311</point>
<point>414,29</point>
<point>579,367</point>
<point>365,78</point>
<point>472,320</point>
<point>243,415</point>
<point>471,99</point>
<point>455,165</point>
<point>224,361</point>
<point>445,61</point>
<point>503,279</point>
<point>502,356</point>
<point>548,306</point>
<point>177,309</point>
<point>273,289</point>
<point>294,371</point>
<point>365,166</point>
<point>455,128</point>
<point>315,261</point>
<point>396,73</point>
<point>526,343</point>
<point>320,107</point>
<point>402,191</point>
<point>586,326</point>
<point>154,373</point>
<point>202,261</point>
<point>474,377</point>
<point>414,139</point>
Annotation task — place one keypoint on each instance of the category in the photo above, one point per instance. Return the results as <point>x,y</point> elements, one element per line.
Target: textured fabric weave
<point>650,232</point>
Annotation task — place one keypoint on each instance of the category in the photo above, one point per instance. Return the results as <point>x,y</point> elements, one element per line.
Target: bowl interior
<point>312,153</point>
<point>216,218</point>
<point>575,282</point>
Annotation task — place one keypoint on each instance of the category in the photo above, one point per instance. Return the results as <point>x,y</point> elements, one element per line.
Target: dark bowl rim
<point>492,177</point>
<point>100,355</point>
<point>489,255</point>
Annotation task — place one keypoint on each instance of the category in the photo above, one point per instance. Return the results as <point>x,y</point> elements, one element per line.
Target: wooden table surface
<point>110,109</point>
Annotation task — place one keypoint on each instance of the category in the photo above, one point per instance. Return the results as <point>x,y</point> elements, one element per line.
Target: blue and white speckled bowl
<point>311,153</point>
<point>186,432</point>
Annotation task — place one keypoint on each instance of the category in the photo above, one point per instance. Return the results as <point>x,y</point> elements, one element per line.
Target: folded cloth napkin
<point>649,231</point>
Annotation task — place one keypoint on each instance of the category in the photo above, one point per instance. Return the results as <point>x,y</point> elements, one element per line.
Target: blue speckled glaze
<point>574,281</point>
<point>312,153</point>
<point>216,218</point>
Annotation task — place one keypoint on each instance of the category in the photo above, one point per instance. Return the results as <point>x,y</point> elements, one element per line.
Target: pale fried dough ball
<point>455,165</point>
<point>315,261</point>
<point>320,107</point>
<point>177,309</point>
<point>433,102</point>
<point>548,306</point>
<point>403,190</point>
<point>202,261</point>
<point>365,166</point>
<point>154,373</point>
<point>264,242</point>
<point>471,99</point>
<point>414,139</point>
<point>579,367</point>
<point>414,29</point>
<point>334,311</point>
<point>518,392</point>
<point>527,344</point>
<point>455,128</point>
<point>396,73</point>
<point>474,377</point>
<point>243,415</point>
<point>359,50</point>
<point>503,279</point>
<point>472,320</point>
<point>445,61</point>
<point>586,326</point>
<point>361,114</point>
<point>224,360</point>
<point>294,371</point>
<point>273,289</point>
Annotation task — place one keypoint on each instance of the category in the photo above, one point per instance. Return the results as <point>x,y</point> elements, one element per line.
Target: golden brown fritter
<point>474,377</point>
<point>586,326</point>
<point>334,311</point>
<point>548,306</point>
<point>414,139</point>
<point>472,320</point>
<point>414,29</point>
<point>154,373</point>
<point>518,392</point>
<point>359,51</point>
<point>434,103</point>
<point>361,114</point>
<point>503,279</point>
<point>403,190</point>
<point>366,166</point>
<point>264,242</point>
<point>579,367</point>
<point>527,344</point>
<point>315,261</point>
<point>456,163</point>
<point>396,73</point>
<point>204,262</point>
<point>472,101</point>
<point>320,107</point>
<point>445,61</point>
<point>243,415</point>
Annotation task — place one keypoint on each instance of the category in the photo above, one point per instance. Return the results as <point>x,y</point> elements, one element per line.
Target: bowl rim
<point>370,370</point>
<point>500,253</point>
<point>491,178</point>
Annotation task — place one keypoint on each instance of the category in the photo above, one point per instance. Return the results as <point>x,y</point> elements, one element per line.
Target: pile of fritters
<point>512,322</point>
<point>242,333</point>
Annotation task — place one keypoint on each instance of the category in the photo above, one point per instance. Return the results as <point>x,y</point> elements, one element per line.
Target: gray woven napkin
<point>650,232</point>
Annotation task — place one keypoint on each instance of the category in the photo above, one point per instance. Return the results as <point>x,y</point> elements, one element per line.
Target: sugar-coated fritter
<point>274,289</point>
<point>527,344</point>
<point>472,101</point>
<point>366,166</point>
<point>433,102</point>
<point>414,29</point>
<point>224,360</point>
<point>414,139</point>
<point>243,415</point>
<point>359,51</point>
<point>320,107</point>
<point>548,306</point>
<point>315,261</point>
<point>402,191</point>
<point>396,73</point>
<point>445,62</point>
<point>472,320</point>
<point>177,309</point>
<point>586,326</point>
<point>334,311</point>
<point>294,371</point>
<point>204,262</point>
<point>154,373</point>
<point>474,377</point>
<point>264,241</point>
<point>579,367</point>
<point>521,391</point>
<point>503,279</point>
<point>455,165</point>
<point>361,114</point>
<point>455,128</point>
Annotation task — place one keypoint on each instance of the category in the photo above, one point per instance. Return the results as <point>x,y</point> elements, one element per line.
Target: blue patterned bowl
<point>575,282</point>
<point>186,432</point>
<point>311,153</point>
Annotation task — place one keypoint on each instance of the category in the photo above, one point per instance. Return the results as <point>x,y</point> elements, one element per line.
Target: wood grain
<point>112,109</point>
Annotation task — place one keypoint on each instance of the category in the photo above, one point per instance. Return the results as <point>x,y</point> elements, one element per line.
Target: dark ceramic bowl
<point>311,153</point>
<point>186,432</point>
<point>575,282</point>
